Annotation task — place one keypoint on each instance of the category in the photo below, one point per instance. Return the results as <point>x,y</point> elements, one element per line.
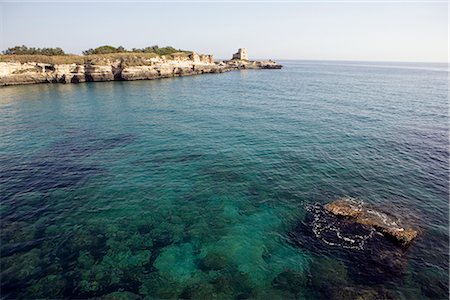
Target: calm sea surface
<point>192,187</point>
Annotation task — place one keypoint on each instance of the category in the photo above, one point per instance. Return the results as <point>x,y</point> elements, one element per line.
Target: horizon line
<point>348,60</point>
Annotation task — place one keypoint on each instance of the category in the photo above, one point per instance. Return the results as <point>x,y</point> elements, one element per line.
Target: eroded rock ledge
<point>370,241</point>
<point>361,213</point>
<point>122,68</point>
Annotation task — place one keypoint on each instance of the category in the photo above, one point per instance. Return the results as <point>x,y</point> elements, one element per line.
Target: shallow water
<point>193,187</point>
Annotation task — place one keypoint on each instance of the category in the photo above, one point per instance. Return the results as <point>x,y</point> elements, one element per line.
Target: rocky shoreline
<point>122,69</point>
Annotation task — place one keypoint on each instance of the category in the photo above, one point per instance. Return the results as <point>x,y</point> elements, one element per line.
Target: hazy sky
<point>303,30</point>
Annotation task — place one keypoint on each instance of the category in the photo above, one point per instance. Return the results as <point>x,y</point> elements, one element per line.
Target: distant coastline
<point>18,69</point>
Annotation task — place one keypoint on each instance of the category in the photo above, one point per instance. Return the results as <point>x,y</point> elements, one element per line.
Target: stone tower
<point>241,54</point>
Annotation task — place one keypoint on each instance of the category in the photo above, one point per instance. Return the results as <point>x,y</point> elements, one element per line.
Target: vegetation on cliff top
<point>153,49</point>
<point>129,59</point>
<point>24,50</point>
<point>24,54</point>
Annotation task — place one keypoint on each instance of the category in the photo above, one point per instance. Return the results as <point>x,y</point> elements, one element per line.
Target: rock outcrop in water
<point>358,212</point>
<point>120,68</point>
<point>356,234</point>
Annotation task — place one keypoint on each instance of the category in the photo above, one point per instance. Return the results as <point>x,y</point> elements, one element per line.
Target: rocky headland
<point>17,69</point>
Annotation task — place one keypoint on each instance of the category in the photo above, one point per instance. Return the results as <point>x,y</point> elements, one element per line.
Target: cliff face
<point>126,68</point>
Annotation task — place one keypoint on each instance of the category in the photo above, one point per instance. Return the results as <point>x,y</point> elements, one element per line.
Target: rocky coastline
<point>121,68</point>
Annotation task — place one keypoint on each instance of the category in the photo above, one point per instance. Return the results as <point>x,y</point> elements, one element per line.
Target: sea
<point>204,187</point>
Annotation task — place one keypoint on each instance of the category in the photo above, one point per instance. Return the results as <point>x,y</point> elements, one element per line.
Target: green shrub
<point>127,58</point>
<point>106,49</point>
<point>136,56</point>
<point>24,50</point>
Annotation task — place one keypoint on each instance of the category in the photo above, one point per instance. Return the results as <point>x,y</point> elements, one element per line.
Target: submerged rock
<point>48,287</point>
<point>120,296</point>
<point>363,293</point>
<point>327,274</point>
<point>213,262</point>
<point>290,280</point>
<point>367,253</point>
<point>199,291</point>
<point>358,212</point>
<point>231,283</point>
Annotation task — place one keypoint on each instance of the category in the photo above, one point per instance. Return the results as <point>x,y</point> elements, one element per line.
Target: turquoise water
<point>193,187</point>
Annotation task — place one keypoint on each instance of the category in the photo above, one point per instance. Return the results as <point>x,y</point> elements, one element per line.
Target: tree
<point>24,50</point>
<point>106,49</point>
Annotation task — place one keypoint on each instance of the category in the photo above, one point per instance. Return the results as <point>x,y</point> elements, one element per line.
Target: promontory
<point>29,69</point>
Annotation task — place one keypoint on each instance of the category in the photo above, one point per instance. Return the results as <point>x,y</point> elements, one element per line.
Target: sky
<point>367,31</point>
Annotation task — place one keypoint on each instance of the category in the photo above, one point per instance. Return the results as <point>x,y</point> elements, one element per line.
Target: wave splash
<point>336,232</point>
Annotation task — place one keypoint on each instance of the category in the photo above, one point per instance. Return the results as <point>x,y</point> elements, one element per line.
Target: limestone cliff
<point>126,67</point>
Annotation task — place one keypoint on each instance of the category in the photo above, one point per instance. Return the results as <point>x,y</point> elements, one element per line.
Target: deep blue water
<point>193,187</point>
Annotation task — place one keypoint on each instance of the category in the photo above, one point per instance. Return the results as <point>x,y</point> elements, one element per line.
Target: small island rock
<point>358,212</point>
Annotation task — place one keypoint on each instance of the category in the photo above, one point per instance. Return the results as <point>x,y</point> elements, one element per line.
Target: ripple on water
<point>203,187</point>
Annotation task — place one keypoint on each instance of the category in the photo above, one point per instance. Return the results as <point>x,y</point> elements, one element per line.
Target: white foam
<point>343,240</point>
